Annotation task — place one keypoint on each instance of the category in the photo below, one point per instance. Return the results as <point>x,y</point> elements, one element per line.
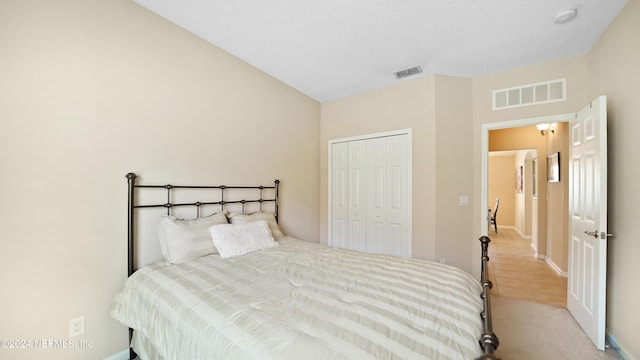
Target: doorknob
<point>603,235</point>
<point>592,233</point>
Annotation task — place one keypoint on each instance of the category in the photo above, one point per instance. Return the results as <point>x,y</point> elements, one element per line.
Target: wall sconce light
<point>545,128</point>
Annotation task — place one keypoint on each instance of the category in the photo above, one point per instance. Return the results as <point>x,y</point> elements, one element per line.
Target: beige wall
<point>614,71</point>
<point>558,201</point>
<point>91,90</point>
<point>515,208</point>
<point>524,199</point>
<point>407,105</point>
<point>429,106</point>
<point>501,173</point>
<point>454,144</point>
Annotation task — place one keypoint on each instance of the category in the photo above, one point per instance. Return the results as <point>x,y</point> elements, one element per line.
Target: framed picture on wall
<point>553,167</point>
<point>519,179</point>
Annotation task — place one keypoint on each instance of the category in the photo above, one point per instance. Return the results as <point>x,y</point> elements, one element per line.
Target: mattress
<point>303,300</point>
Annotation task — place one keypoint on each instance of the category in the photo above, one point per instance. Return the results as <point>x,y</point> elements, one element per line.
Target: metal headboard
<point>132,205</point>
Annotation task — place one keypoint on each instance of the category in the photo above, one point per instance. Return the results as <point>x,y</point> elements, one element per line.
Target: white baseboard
<point>535,252</point>
<point>616,346</point>
<point>528,237</point>
<point>122,355</point>
<point>535,248</point>
<point>555,267</point>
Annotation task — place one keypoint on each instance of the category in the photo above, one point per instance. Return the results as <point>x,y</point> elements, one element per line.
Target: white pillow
<point>183,240</point>
<point>239,239</point>
<point>237,218</point>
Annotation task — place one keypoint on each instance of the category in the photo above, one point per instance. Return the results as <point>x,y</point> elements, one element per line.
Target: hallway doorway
<point>522,266</point>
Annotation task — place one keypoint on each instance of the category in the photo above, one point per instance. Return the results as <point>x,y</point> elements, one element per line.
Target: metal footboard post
<point>489,340</point>
<point>277,194</point>
<point>131,179</point>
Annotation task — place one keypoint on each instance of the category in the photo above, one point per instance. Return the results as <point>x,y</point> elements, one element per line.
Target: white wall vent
<point>531,94</point>
<point>408,72</point>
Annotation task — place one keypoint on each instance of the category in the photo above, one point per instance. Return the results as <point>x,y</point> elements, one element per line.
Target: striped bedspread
<point>303,300</point>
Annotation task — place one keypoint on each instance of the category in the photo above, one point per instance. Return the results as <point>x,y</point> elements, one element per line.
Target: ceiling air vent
<point>408,72</point>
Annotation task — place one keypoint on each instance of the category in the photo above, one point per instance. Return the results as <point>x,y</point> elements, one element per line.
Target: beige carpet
<point>529,331</point>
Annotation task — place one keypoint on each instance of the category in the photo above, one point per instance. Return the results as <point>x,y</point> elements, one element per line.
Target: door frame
<point>484,167</point>
<point>407,132</point>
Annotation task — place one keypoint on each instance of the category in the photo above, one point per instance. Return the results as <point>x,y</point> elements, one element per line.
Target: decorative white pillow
<point>183,240</point>
<point>270,218</point>
<point>239,239</point>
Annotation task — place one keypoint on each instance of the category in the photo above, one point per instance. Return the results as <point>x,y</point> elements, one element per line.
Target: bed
<point>262,295</point>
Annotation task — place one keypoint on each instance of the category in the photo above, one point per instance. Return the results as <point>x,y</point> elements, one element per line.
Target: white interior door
<point>388,196</point>
<point>348,195</point>
<point>370,193</point>
<point>377,196</point>
<point>586,296</point>
<point>339,192</point>
<point>357,228</point>
<point>398,195</point>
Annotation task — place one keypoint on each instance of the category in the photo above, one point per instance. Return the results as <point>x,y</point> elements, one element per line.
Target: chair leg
<point>495,225</point>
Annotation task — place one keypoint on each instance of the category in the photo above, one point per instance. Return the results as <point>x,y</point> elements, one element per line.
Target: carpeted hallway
<point>529,306</point>
<point>534,331</point>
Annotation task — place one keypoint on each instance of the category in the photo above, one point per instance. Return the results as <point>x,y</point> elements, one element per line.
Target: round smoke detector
<point>565,15</point>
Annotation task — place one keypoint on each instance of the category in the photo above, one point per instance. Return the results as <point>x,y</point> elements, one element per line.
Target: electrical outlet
<point>76,326</point>
<point>443,261</point>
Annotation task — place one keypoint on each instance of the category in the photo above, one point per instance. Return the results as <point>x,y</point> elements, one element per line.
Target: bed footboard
<point>489,341</point>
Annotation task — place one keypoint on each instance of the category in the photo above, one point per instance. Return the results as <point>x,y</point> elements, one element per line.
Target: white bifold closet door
<point>369,195</point>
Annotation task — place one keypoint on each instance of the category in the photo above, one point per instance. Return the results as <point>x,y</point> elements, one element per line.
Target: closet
<point>370,194</point>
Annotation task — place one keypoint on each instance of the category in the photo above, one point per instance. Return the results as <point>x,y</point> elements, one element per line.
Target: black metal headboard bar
<point>169,186</point>
<point>132,186</point>
<point>199,203</point>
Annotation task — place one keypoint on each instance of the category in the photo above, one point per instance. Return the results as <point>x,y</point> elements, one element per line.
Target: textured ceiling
<point>330,49</point>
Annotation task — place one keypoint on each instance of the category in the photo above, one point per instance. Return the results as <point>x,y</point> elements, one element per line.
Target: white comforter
<point>304,301</point>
